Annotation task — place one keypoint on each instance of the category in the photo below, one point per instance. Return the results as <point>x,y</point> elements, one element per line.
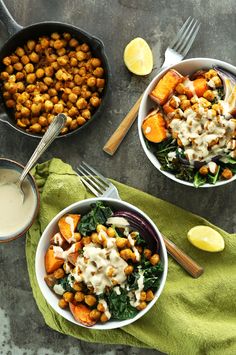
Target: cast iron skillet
<point>19,36</point>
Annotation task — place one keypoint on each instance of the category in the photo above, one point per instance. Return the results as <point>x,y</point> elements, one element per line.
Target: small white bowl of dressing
<point>16,215</point>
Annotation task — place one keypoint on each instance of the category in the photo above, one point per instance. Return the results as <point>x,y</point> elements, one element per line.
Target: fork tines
<point>186,36</point>
<point>97,183</point>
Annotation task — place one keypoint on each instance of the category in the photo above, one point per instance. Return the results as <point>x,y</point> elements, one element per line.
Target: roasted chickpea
<point>111,232</point>
<point>126,254</point>
<point>59,44</point>
<point>155,258</point>
<point>44,42</point>
<point>29,68</point>
<point>73,62</point>
<point>59,273</point>
<point>20,51</point>
<point>81,103</point>
<point>185,104</point>
<point>79,296</point>
<point>141,305</point>
<point>39,73</point>
<point>95,314</point>
<point>101,227</point>
<point>4,75</point>
<point>58,108</point>
<point>19,76</point>
<point>36,108</point>
<point>34,57</point>
<point>100,307</point>
<point>143,296</point>
<point>100,83</point>
<point>95,239</point>
<point>73,42</point>
<point>98,72</point>
<point>6,61</point>
<point>121,242</point>
<point>110,271</point>
<point>68,296</point>
<point>80,120</point>
<point>149,295</point>
<point>103,318</point>
<point>48,80</point>
<point>96,62</point>
<point>36,128</point>
<point>80,56</point>
<point>227,174</point>
<point>90,300</point>
<point>86,240</point>
<point>43,121</point>
<point>52,92</point>
<point>10,103</point>
<point>210,74</point>
<point>86,114</point>
<point>62,60</point>
<point>21,124</point>
<point>73,125</point>
<point>55,35</point>
<point>6,95</point>
<point>209,95</point>
<point>67,36</point>
<point>54,100</point>
<point>91,82</point>
<point>9,69</point>
<point>25,112</point>
<point>204,170</point>
<point>68,121</point>
<point>63,303</point>
<point>25,59</point>
<point>31,44</point>
<point>72,97</point>
<point>128,270</point>
<point>30,78</point>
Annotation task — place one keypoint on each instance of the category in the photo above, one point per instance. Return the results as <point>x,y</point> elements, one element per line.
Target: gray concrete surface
<point>22,329</point>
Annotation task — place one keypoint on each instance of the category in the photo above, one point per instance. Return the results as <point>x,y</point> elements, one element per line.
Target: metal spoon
<point>53,130</point>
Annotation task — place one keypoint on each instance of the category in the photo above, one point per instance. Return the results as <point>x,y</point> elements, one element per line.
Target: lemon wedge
<point>138,57</point>
<point>206,238</point>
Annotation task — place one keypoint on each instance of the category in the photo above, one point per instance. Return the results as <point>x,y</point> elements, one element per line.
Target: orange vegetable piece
<point>73,257</point>
<point>154,128</point>
<point>168,108</point>
<point>81,313</point>
<point>166,86</point>
<point>59,240</point>
<point>51,262</point>
<point>65,227</point>
<point>200,86</point>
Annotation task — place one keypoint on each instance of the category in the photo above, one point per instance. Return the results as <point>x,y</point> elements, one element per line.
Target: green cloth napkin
<point>192,316</point>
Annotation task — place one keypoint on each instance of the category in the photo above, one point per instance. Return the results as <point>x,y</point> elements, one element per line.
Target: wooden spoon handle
<point>183,259</point>
<point>113,143</point>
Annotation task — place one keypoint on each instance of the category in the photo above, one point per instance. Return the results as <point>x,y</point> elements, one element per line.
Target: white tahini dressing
<point>14,213</point>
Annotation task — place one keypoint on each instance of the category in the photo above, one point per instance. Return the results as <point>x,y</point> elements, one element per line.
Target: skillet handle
<point>5,16</point>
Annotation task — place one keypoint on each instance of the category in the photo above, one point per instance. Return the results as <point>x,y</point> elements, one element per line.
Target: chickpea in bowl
<point>99,269</point>
<point>50,75</point>
<point>187,124</point>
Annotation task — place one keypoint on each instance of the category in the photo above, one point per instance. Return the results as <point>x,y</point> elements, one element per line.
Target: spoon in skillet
<point>52,132</point>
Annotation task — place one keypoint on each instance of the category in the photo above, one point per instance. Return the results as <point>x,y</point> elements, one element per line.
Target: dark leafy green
<point>140,240</point>
<point>199,179</point>
<point>98,215</point>
<point>151,274</point>
<point>119,305</point>
<point>65,283</point>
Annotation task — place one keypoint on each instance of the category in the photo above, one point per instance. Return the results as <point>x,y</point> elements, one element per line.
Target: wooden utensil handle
<point>113,143</point>
<point>183,259</point>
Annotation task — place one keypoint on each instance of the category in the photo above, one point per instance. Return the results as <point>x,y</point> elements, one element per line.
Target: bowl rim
<point>33,182</point>
<point>148,153</point>
<point>44,288</point>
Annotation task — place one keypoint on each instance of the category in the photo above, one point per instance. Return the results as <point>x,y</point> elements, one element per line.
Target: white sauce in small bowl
<point>15,214</point>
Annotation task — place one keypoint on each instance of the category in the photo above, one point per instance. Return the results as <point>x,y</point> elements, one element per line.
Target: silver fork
<point>102,187</point>
<point>174,53</point>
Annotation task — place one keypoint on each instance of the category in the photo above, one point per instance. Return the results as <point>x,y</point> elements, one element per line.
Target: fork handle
<point>115,140</point>
<point>183,259</point>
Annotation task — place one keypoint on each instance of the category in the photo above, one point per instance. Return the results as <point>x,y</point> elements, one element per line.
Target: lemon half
<point>138,57</point>
<point>206,238</point>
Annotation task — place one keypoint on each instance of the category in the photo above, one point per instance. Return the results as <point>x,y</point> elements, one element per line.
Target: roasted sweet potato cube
<point>166,86</point>
<point>81,313</point>
<point>73,257</point>
<point>154,128</point>
<point>51,262</point>
<point>67,225</point>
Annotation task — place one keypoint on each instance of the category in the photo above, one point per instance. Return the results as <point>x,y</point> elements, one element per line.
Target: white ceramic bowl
<point>83,207</point>
<point>185,67</point>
